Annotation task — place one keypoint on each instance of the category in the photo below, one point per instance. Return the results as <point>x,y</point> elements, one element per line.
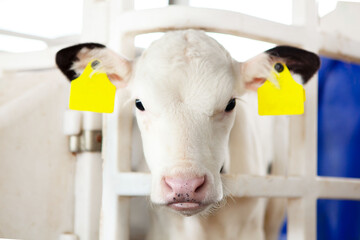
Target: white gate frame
<point>302,187</point>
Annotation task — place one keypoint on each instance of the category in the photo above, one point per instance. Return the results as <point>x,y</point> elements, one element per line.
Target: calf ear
<point>73,60</point>
<point>302,65</point>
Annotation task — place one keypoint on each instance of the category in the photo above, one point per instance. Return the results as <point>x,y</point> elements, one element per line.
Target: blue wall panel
<point>339,145</point>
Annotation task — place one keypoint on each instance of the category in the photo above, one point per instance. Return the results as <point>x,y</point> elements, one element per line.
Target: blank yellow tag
<point>92,91</point>
<point>287,99</point>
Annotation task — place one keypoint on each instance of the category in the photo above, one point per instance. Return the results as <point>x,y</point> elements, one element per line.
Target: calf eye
<point>231,105</point>
<point>139,105</point>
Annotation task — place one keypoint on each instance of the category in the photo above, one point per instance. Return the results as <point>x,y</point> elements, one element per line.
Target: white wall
<point>36,169</point>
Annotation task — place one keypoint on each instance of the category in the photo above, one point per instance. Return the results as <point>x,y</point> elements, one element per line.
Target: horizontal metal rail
<point>212,20</point>
<point>238,24</point>
<point>49,41</point>
<point>181,17</point>
<point>28,61</point>
<point>139,184</point>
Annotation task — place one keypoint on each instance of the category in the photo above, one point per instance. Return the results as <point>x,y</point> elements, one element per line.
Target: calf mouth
<point>188,208</point>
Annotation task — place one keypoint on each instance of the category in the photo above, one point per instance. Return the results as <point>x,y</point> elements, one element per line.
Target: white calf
<point>196,123</point>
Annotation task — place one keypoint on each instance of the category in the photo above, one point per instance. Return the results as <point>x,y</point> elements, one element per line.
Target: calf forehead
<point>185,66</point>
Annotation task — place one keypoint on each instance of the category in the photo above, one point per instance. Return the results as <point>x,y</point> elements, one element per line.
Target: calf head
<point>184,87</point>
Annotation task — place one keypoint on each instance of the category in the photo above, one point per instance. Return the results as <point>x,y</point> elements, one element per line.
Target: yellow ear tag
<point>287,99</point>
<point>92,91</point>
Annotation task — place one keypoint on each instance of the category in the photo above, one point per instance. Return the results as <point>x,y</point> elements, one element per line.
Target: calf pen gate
<point>301,186</point>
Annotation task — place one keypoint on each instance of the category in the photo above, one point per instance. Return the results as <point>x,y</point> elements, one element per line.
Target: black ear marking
<point>65,58</point>
<point>297,60</point>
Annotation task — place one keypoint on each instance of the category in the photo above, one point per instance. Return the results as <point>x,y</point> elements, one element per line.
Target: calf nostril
<point>198,188</point>
<point>168,183</point>
<point>200,184</point>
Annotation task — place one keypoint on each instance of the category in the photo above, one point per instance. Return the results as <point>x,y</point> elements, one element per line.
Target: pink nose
<point>185,189</point>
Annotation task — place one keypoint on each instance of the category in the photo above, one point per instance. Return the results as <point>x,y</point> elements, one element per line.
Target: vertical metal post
<point>95,18</point>
<point>117,145</point>
<point>303,135</point>
<point>82,129</point>
<point>115,209</point>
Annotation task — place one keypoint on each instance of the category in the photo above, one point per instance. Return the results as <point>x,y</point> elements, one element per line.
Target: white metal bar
<point>88,183</point>
<point>28,61</point>
<point>95,18</point>
<point>338,188</point>
<point>221,21</point>
<point>140,184</point>
<point>300,213</point>
<point>337,46</point>
<point>88,195</point>
<point>49,41</point>
<point>117,157</point>
<point>115,210</point>
<point>238,24</point>
<point>115,224</point>
<point>303,135</point>
<point>23,35</point>
<point>121,44</point>
<point>254,186</point>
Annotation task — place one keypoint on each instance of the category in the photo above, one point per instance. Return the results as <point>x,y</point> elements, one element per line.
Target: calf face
<point>184,87</point>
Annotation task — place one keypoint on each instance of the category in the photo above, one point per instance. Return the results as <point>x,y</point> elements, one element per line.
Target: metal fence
<point>301,186</point>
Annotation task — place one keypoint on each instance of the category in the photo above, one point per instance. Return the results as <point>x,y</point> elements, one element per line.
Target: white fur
<point>185,92</point>
<point>185,81</point>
